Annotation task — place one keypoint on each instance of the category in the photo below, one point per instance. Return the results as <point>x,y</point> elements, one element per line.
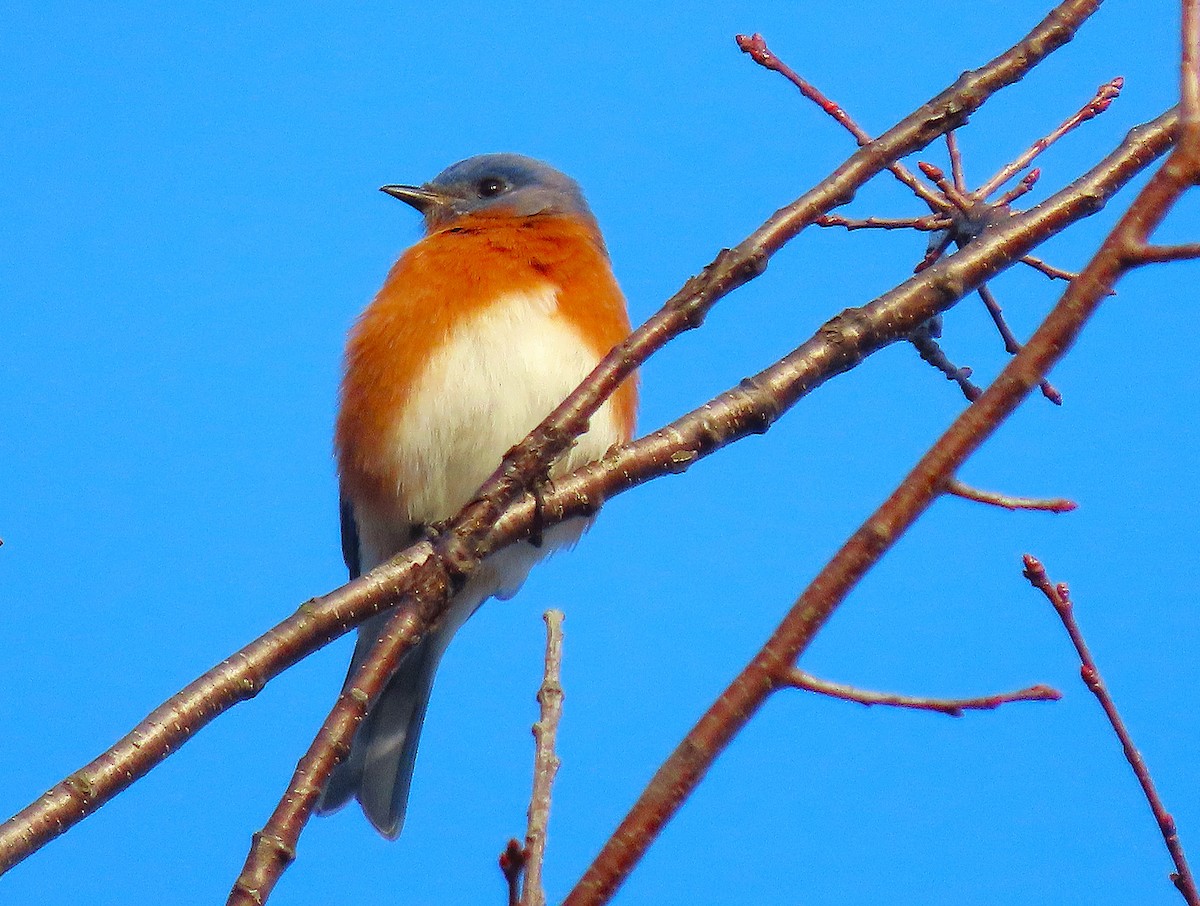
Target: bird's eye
<point>491,186</point>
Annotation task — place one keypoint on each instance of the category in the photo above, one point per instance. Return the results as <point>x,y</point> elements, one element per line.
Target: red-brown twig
<point>512,866</point>
<point>1024,187</point>
<point>1059,597</point>
<point>545,764</point>
<point>1054,273</point>
<point>1011,344</point>
<point>954,707</point>
<point>956,161</point>
<point>1008,502</point>
<point>959,198</point>
<point>1105,95</point>
<point>756,46</point>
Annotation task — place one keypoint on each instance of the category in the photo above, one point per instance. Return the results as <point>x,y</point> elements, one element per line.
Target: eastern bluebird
<point>479,331</point>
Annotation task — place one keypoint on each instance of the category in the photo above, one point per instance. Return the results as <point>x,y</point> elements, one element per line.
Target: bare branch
<point>1011,345</point>
<point>1024,187</point>
<point>1105,95</point>
<point>546,762</point>
<point>1060,598</point>
<point>1007,502</point>
<point>959,198</point>
<point>928,223</point>
<point>1189,65</point>
<point>1054,273</point>
<point>1159,254</point>
<point>954,707</point>
<point>679,775</point>
<point>747,409</point>
<point>956,162</point>
<point>927,346</point>
<point>756,46</point>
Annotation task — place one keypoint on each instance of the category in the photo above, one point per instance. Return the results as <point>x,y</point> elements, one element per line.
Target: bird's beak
<point>421,198</point>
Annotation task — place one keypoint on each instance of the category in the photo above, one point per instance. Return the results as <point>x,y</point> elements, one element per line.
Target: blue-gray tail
<point>379,769</point>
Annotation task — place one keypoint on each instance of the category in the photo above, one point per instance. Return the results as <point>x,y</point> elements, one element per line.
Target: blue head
<point>495,183</point>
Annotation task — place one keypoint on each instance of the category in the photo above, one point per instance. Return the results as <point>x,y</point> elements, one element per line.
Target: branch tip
<point>1008,502</point>
<point>1060,598</point>
<point>796,678</point>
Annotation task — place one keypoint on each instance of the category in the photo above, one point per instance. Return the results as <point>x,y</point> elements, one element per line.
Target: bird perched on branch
<point>479,331</point>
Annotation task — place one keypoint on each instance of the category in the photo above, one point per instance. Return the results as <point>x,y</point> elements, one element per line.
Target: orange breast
<point>451,275</point>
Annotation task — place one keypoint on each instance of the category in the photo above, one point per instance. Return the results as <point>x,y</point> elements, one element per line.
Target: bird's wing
<point>350,547</point>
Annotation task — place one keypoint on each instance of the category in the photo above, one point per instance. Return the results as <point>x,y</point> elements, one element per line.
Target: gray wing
<point>378,770</point>
<point>350,549</point>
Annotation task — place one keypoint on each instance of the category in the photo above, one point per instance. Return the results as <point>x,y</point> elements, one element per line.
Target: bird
<point>480,329</point>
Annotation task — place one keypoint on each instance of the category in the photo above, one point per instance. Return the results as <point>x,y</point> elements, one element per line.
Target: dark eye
<point>491,186</point>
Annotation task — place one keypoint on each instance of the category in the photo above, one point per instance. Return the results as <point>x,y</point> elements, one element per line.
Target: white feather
<point>488,385</point>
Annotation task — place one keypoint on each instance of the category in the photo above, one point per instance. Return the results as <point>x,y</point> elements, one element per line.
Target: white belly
<point>497,376</point>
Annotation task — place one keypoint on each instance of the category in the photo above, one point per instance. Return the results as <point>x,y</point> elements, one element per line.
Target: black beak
<point>419,197</point>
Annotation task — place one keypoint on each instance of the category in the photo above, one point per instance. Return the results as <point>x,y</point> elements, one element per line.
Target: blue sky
<point>191,224</point>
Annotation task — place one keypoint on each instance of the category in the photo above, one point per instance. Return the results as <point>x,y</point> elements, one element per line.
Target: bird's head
<point>499,184</point>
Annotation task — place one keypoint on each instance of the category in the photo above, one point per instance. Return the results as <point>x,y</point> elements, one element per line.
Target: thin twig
<point>1054,273</point>
<point>1011,344</point>
<point>960,198</point>
<point>546,762</point>
<point>756,46</point>
<point>931,352</point>
<point>954,707</point>
<point>1059,596</point>
<point>956,162</point>
<point>1024,187</point>
<point>928,223</point>
<point>1008,502</point>
<point>1105,95</point>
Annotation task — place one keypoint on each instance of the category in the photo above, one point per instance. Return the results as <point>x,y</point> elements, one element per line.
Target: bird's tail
<point>378,771</point>
<point>379,768</point>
